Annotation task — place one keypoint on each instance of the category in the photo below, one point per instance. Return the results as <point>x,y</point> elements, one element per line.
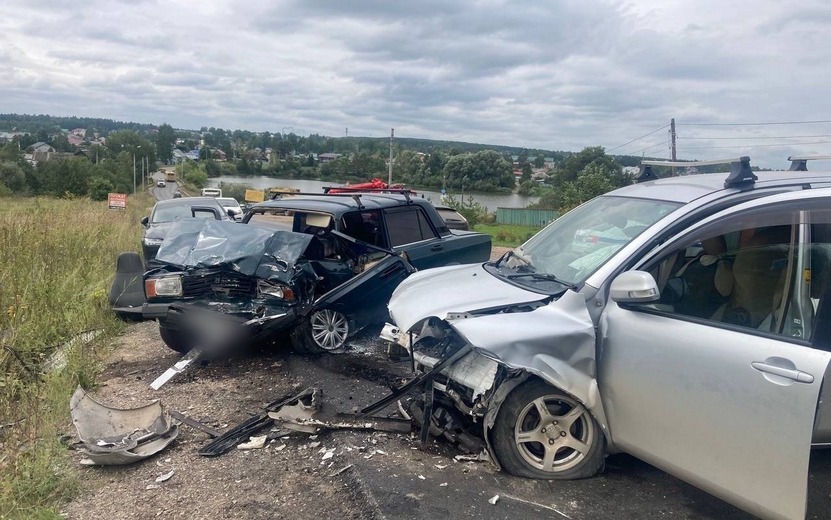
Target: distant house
<point>41,151</point>
<point>324,158</point>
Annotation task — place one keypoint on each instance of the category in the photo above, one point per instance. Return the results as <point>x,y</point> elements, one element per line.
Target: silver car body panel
<point>453,289</point>
<point>557,344</point>
<point>730,422</point>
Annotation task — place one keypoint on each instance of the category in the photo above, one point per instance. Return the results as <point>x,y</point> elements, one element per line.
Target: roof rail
<point>345,190</point>
<point>740,172</point>
<point>800,164</point>
<point>645,173</point>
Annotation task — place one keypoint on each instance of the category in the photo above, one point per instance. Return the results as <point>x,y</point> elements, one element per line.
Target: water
<point>488,200</point>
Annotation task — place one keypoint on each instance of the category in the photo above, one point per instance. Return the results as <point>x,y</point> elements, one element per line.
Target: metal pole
<point>134,173</point>
<point>392,134</point>
<point>672,135</point>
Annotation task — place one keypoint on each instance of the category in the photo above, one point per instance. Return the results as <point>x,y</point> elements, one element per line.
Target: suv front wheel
<point>322,331</point>
<point>543,433</point>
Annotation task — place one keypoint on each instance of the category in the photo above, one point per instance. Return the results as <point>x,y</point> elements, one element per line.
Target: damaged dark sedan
<point>222,284</point>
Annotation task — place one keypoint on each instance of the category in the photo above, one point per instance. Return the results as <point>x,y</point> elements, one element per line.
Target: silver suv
<point>681,320</point>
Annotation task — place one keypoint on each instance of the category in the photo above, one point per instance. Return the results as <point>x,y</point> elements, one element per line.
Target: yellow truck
<point>169,176</point>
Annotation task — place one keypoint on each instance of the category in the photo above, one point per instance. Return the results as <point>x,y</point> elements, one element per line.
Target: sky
<point>550,74</point>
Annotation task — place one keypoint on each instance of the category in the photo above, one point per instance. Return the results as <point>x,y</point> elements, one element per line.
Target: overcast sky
<point>553,74</point>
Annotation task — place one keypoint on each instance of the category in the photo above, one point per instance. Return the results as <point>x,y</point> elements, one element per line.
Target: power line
<point>753,145</point>
<point>758,137</point>
<point>767,123</point>
<point>664,143</point>
<point>637,139</point>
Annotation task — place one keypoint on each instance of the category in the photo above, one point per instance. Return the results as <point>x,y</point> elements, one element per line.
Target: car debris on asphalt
<point>116,436</point>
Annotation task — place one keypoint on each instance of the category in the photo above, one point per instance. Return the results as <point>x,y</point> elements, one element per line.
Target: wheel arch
<point>589,397</point>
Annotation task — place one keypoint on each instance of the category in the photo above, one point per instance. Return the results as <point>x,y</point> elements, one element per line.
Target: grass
<point>58,259</point>
<point>506,235</point>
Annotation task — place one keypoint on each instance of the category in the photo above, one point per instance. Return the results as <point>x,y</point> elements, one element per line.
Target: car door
<point>409,229</point>
<point>725,401</point>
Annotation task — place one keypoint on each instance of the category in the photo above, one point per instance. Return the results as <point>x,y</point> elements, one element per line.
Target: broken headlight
<point>165,286</point>
<point>275,290</point>
<point>153,241</point>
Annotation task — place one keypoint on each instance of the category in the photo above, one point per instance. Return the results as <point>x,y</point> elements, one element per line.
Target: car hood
<point>249,250</point>
<point>443,290</point>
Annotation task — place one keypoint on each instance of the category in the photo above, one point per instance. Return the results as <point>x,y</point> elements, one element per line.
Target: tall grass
<point>57,260</point>
<point>506,235</point>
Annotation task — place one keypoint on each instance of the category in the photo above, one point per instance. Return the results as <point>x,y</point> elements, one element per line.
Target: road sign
<point>254,195</point>
<point>117,200</point>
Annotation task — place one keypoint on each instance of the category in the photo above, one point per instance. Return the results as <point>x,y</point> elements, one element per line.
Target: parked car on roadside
<point>320,267</point>
<point>453,218</point>
<point>230,203</point>
<point>165,212</point>
<point>686,321</point>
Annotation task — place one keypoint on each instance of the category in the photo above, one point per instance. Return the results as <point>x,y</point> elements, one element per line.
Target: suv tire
<point>537,426</point>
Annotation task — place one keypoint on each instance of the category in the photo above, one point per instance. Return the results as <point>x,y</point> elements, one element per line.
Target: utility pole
<point>672,136</point>
<point>392,134</point>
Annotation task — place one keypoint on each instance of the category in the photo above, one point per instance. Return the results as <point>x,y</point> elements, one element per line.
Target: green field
<point>58,260</point>
<point>505,235</point>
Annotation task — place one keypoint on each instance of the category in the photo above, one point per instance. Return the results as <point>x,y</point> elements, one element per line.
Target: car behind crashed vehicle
<point>699,342</point>
<point>221,284</point>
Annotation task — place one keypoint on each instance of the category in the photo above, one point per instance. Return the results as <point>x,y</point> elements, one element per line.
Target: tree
<point>570,168</point>
<point>165,140</point>
<point>526,172</point>
<point>12,177</point>
<point>197,177</point>
<point>539,161</point>
<point>99,188</point>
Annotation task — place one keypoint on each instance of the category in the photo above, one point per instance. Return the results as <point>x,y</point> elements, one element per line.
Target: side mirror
<point>144,221</point>
<point>231,212</point>
<point>634,287</point>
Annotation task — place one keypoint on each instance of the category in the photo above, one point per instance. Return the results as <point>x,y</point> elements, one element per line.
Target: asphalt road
<point>162,193</point>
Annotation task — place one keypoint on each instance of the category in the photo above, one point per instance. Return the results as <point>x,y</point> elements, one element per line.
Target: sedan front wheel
<point>324,330</point>
<point>543,433</point>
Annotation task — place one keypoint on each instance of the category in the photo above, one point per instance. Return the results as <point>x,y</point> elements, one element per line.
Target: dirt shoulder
<point>289,482</point>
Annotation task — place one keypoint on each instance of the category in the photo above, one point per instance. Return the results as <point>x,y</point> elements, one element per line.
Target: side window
<point>408,225</point>
<point>365,226</point>
<point>272,219</point>
<point>759,270</point>
<point>204,213</point>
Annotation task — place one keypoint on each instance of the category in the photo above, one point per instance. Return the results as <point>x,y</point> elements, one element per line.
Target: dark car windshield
<point>171,213</point>
<point>575,245</point>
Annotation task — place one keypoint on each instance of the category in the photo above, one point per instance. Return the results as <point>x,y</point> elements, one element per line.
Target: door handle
<point>788,373</point>
<point>437,247</point>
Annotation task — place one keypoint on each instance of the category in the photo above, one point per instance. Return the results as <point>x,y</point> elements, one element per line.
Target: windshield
<point>572,247</point>
<point>171,213</point>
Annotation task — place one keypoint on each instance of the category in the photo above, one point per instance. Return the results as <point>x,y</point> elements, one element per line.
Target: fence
<point>525,217</point>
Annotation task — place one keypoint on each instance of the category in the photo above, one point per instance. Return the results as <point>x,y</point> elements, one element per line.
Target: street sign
<point>254,195</point>
<point>117,200</point>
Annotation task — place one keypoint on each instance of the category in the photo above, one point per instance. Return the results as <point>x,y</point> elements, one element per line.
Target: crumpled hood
<point>460,288</point>
<point>247,249</point>
<point>158,230</point>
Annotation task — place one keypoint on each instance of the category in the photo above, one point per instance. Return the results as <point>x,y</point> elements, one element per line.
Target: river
<point>490,201</point>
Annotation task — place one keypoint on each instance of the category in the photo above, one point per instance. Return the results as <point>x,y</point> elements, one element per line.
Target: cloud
<point>556,74</point>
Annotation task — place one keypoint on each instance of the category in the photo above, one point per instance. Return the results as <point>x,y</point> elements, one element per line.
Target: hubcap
<point>329,329</point>
<point>553,433</point>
